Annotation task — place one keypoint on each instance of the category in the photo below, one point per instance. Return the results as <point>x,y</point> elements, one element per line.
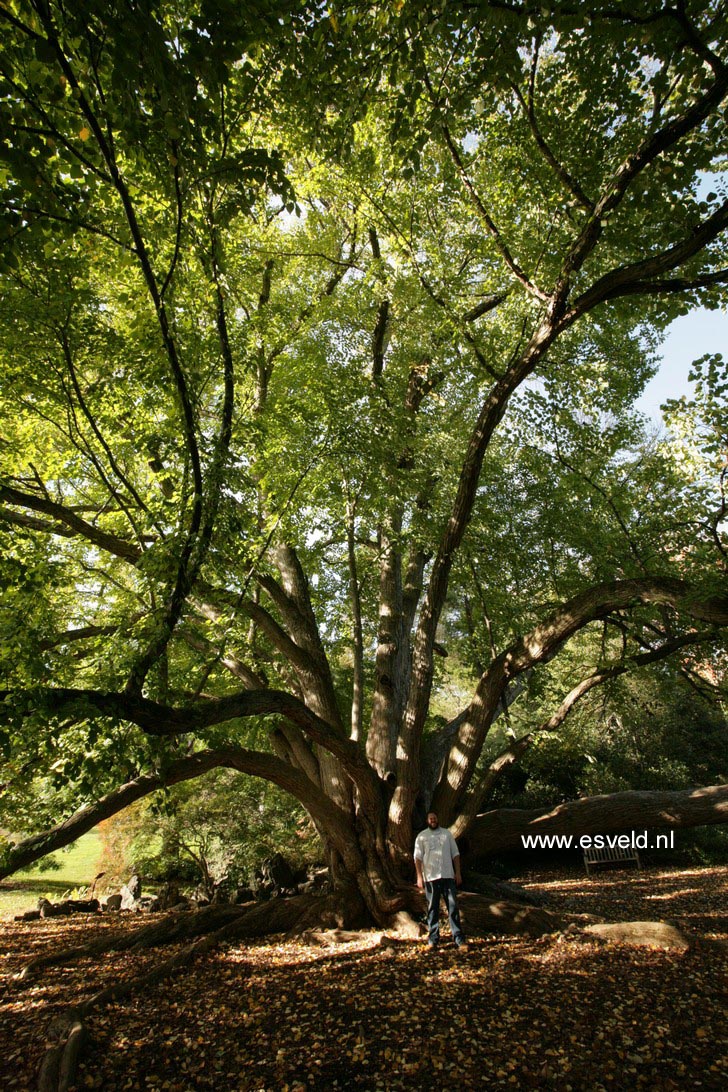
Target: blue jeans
<point>446,889</point>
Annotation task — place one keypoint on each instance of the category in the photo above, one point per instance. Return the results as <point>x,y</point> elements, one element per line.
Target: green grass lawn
<point>78,866</point>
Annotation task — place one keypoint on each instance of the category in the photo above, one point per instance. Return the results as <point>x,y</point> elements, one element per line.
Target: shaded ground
<point>554,1013</point>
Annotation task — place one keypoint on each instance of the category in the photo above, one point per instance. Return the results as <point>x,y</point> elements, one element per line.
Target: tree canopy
<point>320,334</point>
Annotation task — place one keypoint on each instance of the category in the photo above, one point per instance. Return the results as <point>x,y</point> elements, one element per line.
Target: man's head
<point>432,821</point>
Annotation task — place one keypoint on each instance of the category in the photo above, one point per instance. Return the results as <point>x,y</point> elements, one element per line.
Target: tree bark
<point>357,688</point>
<point>388,696</point>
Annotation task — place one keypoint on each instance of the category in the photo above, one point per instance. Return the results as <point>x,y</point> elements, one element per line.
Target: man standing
<point>437,861</point>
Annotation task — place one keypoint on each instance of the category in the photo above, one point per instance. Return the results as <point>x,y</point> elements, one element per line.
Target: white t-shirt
<point>437,849</point>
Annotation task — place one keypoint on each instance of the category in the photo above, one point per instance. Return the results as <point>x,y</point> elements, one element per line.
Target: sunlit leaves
<point>344,227</point>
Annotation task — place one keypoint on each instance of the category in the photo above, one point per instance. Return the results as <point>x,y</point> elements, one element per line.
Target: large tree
<point>320,337</point>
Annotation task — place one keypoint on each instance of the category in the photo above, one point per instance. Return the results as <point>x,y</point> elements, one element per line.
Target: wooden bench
<point>609,855</point>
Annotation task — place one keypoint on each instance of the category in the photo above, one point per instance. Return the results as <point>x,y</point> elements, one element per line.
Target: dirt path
<point>554,1013</point>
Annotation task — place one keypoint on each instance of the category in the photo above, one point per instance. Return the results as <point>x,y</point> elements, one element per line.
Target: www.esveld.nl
<point>633,840</point>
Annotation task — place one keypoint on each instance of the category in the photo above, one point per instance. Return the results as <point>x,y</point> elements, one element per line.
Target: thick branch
<point>254,763</point>
<point>297,657</point>
<point>388,696</point>
<point>290,649</point>
<point>422,659</point>
<point>316,677</point>
<point>487,780</point>
<point>502,830</point>
<point>162,720</point>
<point>233,663</point>
<point>379,338</point>
<point>651,147</point>
<point>640,277</point>
<point>541,645</point>
<point>300,751</point>
<point>357,696</point>
<point>666,285</point>
<point>488,304</point>
<point>70,523</point>
<point>83,633</point>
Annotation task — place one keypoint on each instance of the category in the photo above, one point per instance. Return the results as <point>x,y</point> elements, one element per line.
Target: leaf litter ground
<point>556,1012</point>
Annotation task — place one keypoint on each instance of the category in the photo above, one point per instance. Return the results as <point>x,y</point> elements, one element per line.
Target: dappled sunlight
<point>645,895</point>
<point>510,1011</point>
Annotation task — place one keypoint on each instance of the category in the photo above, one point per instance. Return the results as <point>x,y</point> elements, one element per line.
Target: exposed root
<point>496,890</point>
<point>393,942</point>
<point>295,916</point>
<point>169,930</point>
<point>406,925</point>
<point>67,1032</point>
<point>66,1036</point>
<point>327,938</point>
<point>322,921</point>
<point>481,916</point>
<point>256,919</point>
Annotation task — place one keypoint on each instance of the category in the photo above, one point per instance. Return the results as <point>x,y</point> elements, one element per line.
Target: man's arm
<point>455,854</point>
<point>418,855</point>
<point>456,867</point>
<point>420,875</point>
